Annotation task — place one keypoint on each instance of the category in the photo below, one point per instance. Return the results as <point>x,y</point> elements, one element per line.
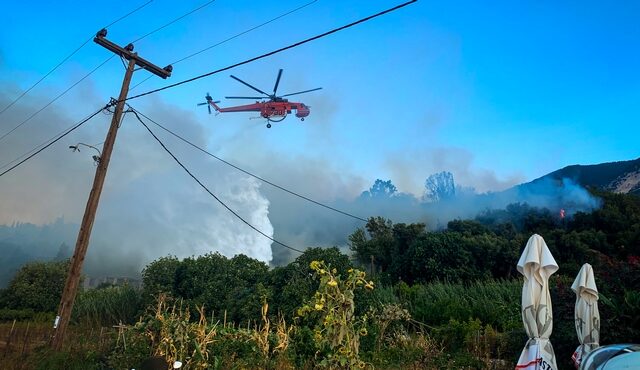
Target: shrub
<point>7,314</point>
<point>37,286</point>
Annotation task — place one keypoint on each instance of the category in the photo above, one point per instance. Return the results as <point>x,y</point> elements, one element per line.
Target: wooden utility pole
<point>82,243</point>
<point>372,266</point>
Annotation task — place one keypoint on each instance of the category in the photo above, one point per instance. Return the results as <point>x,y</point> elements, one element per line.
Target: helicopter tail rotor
<point>209,102</point>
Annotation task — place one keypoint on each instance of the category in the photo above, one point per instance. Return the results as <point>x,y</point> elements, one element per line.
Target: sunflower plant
<point>338,330</point>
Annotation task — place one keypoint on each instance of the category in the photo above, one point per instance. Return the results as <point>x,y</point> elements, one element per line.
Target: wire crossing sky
<point>67,58</point>
<point>324,34</point>
<point>33,153</point>
<point>92,71</point>
<point>209,191</point>
<point>229,39</point>
<point>247,172</point>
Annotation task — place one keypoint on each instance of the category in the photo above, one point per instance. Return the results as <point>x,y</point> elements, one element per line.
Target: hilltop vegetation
<point>433,299</point>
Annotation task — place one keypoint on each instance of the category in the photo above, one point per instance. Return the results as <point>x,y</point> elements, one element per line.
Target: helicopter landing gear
<point>268,125</point>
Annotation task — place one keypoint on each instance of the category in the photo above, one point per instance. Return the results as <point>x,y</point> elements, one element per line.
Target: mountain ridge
<point>618,177</point>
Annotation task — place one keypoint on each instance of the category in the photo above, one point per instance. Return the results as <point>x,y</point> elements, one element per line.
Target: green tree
<point>159,277</point>
<point>467,227</point>
<point>387,244</point>
<point>440,256</point>
<point>381,189</point>
<point>38,286</point>
<point>235,285</point>
<point>618,219</point>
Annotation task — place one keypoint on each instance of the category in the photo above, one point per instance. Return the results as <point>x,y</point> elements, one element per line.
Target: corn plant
<point>283,334</point>
<point>261,334</point>
<point>175,337</point>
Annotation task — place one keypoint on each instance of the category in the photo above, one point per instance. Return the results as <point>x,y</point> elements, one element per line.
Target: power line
<point>54,99</point>
<point>244,32</point>
<point>272,52</point>
<point>40,145</point>
<point>249,173</point>
<point>101,64</point>
<point>126,15</point>
<point>34,149</point>
<point>67,132</point>
<point>209,191</point>
<point>229,39</point>
<point>69,56</point>
<point>173,21</point>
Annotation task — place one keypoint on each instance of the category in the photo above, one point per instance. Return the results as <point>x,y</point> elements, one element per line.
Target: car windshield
<point>600,356</point>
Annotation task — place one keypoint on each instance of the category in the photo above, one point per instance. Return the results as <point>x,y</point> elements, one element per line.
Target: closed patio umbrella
<point>586,313</point>
<point>537,264</point>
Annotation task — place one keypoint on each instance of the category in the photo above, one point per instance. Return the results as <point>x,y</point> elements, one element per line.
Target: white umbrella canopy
<point>586,314</point>
<point>537,264</point>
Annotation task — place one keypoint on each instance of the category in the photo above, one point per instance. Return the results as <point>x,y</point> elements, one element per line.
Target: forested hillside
<point>618,177</point>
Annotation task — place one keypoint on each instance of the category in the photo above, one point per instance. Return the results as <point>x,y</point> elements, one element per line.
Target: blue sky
<point>515,90</point>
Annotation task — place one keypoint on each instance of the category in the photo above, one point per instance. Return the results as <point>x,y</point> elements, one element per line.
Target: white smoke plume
<point>149,207</point>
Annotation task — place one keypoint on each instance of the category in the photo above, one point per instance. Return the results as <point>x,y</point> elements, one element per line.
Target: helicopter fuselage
<point>273,110</point>
<point>269,109</point>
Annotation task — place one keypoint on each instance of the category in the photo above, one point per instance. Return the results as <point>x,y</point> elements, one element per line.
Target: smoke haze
<point>151,208</point>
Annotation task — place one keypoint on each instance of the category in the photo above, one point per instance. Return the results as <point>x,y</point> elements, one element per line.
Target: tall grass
<point>493,302</point>
<point>107,306</point>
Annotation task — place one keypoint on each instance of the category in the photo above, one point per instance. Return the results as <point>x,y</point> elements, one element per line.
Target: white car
<point>613,357</point>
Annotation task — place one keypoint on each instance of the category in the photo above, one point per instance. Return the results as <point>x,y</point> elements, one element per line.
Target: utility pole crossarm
<point>128,54</point>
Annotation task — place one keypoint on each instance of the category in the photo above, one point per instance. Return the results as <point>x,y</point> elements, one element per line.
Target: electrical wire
<point>34,149</point>
<point>126,15</point>
<point>229,39</point>
<point>207,189</point>
<point>272,52</point>
<point>51,142</point>
<point>173,21</point>
<point>54,99</point>
<point>249,173</point>
<point>42,144</point>
<point>101,64</point>
<point>67,58</point>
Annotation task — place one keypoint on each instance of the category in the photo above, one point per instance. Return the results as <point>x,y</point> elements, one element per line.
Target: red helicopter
<point>273,110</point>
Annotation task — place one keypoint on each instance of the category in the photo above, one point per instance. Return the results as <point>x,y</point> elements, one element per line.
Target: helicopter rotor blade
<point>208,106</point>
<point>275,87</point>
<point>246,84</point>
<point>244,97</point>
<point>302,92</point>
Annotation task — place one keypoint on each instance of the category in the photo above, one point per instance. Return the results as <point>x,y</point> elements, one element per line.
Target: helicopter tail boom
<point>214,105</point>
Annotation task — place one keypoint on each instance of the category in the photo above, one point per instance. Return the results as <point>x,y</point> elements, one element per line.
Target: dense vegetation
<point>429,299</point>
